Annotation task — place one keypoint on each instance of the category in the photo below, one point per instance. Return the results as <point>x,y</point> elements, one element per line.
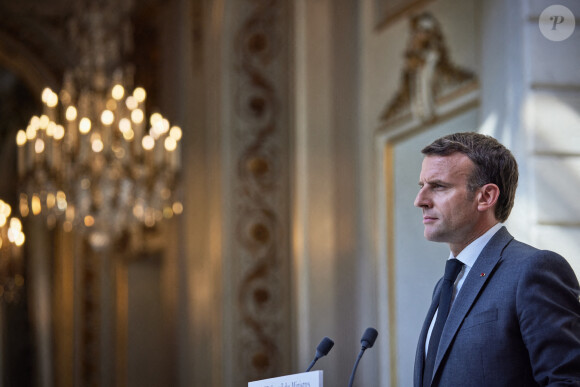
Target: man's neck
<point>456,248</point>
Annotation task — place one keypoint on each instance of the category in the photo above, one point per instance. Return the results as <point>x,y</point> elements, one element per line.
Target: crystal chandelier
<point>92,160</point>
<point>11,268</point>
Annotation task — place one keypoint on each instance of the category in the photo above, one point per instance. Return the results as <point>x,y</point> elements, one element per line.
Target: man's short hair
<point>493,162</point>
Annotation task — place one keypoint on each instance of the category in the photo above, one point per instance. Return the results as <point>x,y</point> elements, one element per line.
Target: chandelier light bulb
<point>50,129</point>
<point>97,145</point>
<point>35,204</point>
<point>20,238</point>
<point>39,145</point>
<point>137,116</point>
<point>118,92</point>
<point>61,201</point>
<point>138,211</point>
<point>124,125</point>
<point>177,208</point>
<point>52,100</point>
<point>43,122</point>
<point>85,125</point>
<point>59,132</point>
<point>155,119</point>
<point>107,117</point>
<point>129,135</point>
<point>23,205</point>
<point>148,142</point>
<point>170,144</point>
<point>140,94</point>
<point>49,97</point>
<point>50,200</point>
<point>11,235</point>
<point>15,224</point>
<point>175,132</point>
<point>5,209</point>
<point>21,138</point>
<point>45,93</point>
<point>30,132</point>
<point>71,113</point>
<point>164,125</point>
<point>157,129</point>
<point>131,103</point>
<point>89,221</point>
<point>167,212</point>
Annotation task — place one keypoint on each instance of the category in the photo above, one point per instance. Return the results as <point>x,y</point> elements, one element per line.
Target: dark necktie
<point>452,269</point>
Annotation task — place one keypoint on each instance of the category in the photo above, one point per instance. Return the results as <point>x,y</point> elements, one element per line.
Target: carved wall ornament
<point>429,77</point>
<point>260,199</point>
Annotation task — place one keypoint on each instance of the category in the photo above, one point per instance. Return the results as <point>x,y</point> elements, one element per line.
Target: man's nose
<point>421,200</point>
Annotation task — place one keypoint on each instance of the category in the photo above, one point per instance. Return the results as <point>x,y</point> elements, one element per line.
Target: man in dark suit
<point>511,316</point>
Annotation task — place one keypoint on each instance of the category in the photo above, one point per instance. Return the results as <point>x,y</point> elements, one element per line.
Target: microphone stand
<point>367,341</point>
<point>351,381</point>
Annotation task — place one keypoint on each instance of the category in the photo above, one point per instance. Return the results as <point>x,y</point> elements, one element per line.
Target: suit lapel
<point>472,286</point>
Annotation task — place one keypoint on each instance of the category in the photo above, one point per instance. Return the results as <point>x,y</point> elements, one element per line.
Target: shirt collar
<point>469,254</point>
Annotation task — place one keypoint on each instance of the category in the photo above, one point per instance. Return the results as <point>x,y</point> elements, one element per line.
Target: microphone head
<point>369,337</point>
<point>324,347</point>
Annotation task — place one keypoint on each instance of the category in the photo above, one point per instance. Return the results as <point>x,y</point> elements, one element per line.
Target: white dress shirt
<point>467,256</point>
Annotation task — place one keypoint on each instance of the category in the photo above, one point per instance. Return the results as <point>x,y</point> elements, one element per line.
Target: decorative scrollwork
<point>429,76</point>
<point>261,191</point>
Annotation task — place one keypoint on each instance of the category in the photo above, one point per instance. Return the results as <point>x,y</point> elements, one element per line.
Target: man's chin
<point>433,236</point>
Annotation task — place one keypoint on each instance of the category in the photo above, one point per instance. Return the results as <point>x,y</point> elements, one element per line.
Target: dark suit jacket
<point>515,322</point>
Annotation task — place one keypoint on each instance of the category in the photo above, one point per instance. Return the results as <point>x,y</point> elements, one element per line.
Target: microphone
<point>367,341</point>
<point>322,350</point>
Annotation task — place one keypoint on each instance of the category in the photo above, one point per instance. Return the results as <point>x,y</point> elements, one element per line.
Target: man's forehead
<point>456,164</point>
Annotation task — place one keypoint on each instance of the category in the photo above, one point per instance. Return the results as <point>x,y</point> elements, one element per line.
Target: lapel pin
<point>482,275</point>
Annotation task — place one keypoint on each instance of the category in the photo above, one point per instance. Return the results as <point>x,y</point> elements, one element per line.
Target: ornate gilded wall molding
<point>429,77</point>
<point>261,198</point>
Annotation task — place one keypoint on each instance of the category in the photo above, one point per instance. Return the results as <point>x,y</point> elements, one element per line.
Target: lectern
<point>305,379</point>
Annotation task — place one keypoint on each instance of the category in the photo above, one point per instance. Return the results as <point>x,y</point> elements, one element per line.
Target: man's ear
<point>487,196</point>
